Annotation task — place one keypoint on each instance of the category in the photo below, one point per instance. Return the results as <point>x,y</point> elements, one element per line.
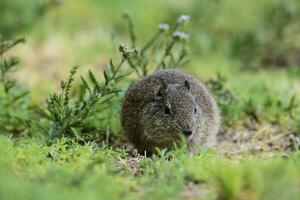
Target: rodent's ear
<point>187,85</point>
<point>163,87</point>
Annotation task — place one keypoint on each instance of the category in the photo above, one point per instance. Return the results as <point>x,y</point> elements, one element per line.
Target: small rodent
<point>160,109</point>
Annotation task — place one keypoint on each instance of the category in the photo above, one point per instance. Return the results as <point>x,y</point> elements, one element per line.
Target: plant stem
<point>131,30</point>
<point>151,42</point>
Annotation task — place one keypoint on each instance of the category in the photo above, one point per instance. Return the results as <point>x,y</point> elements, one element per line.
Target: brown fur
<point>187,102</point>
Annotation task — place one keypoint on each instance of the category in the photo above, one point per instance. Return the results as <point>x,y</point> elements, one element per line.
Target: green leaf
<point>85,84</point>
<point>94,80</point>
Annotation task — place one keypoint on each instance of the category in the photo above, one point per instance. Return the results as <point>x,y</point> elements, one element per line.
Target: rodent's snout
<point>187,132</point>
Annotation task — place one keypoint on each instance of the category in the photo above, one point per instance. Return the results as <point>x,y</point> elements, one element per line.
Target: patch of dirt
<point>261,138</point>
<point>192,191</point>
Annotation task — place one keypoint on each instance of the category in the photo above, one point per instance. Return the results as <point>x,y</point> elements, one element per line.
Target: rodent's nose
<point>187,133</point>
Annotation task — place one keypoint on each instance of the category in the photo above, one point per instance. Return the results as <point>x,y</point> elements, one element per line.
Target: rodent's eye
<point>159,94</point>
<point>167,110</point>
<point>195,110</point>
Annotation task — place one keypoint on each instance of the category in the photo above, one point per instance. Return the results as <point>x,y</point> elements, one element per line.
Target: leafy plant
<point>7,65</point>
<point>271,107</point>
<point>229,103</point>
<point>68,115</point>
<point>14,108</point>
<point>167,47</point>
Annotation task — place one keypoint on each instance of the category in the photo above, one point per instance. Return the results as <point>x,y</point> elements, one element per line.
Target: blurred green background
<point>247,34</point>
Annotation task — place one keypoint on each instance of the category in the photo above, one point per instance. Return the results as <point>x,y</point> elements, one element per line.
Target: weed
<point>67,115</point>
<point>14,99</point>
<point>228,102</point>
<point>161,47</point>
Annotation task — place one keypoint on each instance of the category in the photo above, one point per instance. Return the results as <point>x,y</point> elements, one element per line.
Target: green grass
<point>66,170</point>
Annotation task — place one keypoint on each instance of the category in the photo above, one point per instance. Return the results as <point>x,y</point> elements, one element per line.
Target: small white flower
<point>163,27</point>
<point>183,18</point>
<point>180,35</point>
